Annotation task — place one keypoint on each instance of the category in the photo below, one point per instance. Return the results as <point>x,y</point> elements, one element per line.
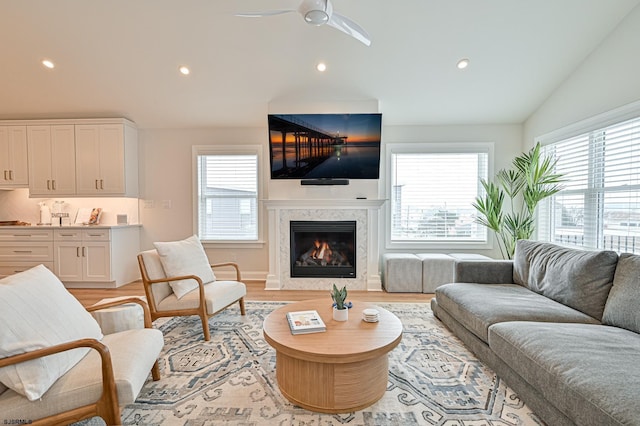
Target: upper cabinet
<point>13,157</point>
<point>67,157</point>
<point>52,165</point>
<point>106,160</point>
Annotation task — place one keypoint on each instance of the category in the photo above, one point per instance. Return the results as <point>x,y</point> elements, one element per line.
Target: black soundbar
<point>324,181</point>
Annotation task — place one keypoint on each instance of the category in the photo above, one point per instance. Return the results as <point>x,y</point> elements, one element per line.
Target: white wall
<point>166,177</point>
<point>166,189</point>
<point>607,79</point>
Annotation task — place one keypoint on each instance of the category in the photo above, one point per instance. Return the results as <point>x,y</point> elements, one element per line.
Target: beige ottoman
<point>119,318</point>
<point>437,269</point>
<point>401,273</point>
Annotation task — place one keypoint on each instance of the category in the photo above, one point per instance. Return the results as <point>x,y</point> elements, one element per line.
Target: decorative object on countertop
<point>340,309</point>
<point>94,219</point>
<point>45,214</point>
<point>14,223</point>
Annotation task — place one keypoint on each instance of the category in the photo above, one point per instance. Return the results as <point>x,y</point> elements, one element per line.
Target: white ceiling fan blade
<point>346,25</point>
<point>263,14</point>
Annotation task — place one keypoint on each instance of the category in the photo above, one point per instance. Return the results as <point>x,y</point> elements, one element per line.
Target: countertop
<point>66,226</point>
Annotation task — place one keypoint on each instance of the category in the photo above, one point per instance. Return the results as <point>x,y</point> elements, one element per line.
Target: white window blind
<point>432,195</point>
<point>600,205</point>
<point>227,197</point>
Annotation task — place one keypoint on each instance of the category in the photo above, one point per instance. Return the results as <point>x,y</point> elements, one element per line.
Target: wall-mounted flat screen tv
<point>325,146</point>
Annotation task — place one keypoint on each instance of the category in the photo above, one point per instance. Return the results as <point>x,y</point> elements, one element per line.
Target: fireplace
<point>323,249</point>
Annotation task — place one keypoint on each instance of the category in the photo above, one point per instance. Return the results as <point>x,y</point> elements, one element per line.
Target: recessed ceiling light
<point>322,67</point>
<point>463,63</point>
<point>184,70</point>
<point>48,64</point>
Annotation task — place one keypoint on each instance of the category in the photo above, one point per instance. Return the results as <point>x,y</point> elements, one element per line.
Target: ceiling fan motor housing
<point>316,12</point>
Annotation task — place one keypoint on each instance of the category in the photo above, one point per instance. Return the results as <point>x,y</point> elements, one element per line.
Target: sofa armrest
<point>483,271</point>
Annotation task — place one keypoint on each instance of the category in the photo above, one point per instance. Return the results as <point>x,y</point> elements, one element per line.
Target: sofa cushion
<point>621,309</point>
<point>186,257</point>
<point>478,306</point>
<point>133,353</point>
<point>37,311</point>
<point>589,372</point>
<point>577,278</point>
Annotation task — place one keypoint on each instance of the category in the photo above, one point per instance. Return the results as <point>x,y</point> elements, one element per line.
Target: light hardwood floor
<point>256,292</point>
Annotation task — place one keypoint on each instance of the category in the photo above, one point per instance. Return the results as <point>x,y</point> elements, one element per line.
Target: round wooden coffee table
<point>341,370</point>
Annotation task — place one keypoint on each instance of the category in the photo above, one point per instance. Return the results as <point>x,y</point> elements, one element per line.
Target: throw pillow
<point>186,257</point>
<point>37,311</point>
<point>621,309</point>
<point>580,279</point>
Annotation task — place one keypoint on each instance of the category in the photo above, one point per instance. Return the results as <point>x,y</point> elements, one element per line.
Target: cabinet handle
<point>77,251</point>
<point>5,175</point>
<point>97,184</point>
<point>101,185</point>
<point>10,174</point>
<point>23,251</point>
<point>48,184</point>
<point>66,235</point>
<point>83,252</point>
<point>53,184</point>
<point>23,235</point>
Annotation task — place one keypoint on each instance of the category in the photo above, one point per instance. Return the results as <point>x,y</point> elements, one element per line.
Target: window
<point>227,193</point>
<point>432,188</point>
<point>600,205</point>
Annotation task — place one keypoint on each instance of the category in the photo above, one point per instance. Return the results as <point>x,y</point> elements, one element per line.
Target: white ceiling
<point>121,58</point>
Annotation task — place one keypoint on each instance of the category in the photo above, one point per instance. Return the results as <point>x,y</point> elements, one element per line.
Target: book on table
<point>303,322</point>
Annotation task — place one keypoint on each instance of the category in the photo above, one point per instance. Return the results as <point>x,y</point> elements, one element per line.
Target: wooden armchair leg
<point>241,302</point>
<point>205,327</point>
<point>155,371</point>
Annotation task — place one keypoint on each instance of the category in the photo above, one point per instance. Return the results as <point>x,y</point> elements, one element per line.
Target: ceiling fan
<point>319,12</point>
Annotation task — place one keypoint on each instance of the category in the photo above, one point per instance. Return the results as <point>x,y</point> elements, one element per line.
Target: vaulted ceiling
<point>121,58</point>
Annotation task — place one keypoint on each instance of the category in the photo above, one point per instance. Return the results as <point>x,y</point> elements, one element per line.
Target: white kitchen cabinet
<point>23,248</point>
<point>14,171</point>
<point>106,160</point>
<point>96,257</point>
<point>82,255</point>
<point>51,160</point>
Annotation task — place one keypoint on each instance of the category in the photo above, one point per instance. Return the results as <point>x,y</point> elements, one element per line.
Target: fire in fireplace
<point>323,249</point>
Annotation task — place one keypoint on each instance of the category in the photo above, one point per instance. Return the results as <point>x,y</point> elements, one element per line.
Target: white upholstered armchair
<point>56,366</point>
<point>179,281</point>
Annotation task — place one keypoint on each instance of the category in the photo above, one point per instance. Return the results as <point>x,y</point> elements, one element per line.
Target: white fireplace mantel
<point>366,213</point>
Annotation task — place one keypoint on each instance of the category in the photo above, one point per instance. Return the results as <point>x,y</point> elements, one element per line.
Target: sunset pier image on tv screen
<point>325,146</point>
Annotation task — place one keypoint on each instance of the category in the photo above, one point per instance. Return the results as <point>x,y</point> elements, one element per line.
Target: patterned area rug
<point>433,380</point>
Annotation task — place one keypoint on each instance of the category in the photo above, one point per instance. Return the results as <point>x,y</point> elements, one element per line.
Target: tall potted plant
<point>531,179</point>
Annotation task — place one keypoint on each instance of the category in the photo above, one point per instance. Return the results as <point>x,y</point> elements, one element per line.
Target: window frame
<point>588,128</point>
<point>258,150</point>
<point>432,148</point>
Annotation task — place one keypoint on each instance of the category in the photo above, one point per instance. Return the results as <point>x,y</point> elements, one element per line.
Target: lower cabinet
<point>104,257</point>
<point>77,259</point>
<point>82,257</point>
<point>24,248</point>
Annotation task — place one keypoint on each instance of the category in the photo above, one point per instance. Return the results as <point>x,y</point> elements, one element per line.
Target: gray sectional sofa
<point>560,326</point>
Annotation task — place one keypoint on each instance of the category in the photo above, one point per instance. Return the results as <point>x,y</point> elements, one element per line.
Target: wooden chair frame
<point>201,310</point>
<point>107,405</point>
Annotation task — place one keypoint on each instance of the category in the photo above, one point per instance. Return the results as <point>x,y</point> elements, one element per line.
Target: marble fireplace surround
<point>365,212</point>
